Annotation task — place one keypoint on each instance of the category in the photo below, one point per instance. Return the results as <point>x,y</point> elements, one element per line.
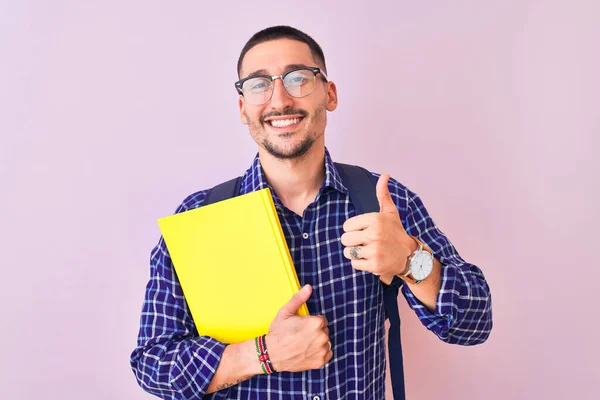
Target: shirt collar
<point>254,179</point>
<point>332,176</point>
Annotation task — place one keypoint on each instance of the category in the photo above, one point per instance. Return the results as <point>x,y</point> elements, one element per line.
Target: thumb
<point>292,306</point>
<point>386,204</point>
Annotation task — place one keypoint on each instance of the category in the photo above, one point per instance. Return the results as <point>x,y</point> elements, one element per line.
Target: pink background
<point>111,112</point>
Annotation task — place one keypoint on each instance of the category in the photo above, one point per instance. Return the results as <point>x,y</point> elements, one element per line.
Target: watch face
<point>421,265</point>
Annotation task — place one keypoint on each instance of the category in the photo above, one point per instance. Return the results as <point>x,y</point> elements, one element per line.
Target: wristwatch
<point>419,265</point>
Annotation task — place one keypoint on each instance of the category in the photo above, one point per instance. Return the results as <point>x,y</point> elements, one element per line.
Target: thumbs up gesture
<point>377,242</point>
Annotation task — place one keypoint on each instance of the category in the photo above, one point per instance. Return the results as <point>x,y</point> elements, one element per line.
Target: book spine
<point>282,244</point>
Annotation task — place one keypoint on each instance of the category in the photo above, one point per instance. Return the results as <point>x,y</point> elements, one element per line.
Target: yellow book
<point>233,264</point>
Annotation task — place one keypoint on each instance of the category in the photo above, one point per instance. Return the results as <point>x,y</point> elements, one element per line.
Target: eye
<point>296,79</point>
<point>257,85</point>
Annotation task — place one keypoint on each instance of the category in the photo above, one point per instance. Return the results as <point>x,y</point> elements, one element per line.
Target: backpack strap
<point>223,191</point>
<point>361,186</point>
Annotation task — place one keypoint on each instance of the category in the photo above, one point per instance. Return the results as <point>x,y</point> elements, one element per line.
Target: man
<point>341,258</point>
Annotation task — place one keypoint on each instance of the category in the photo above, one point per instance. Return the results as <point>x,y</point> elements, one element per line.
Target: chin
<point>289,152</point>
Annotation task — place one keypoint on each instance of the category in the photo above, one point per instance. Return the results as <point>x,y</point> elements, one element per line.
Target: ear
<point>332,97</point>
<point>242,106</point>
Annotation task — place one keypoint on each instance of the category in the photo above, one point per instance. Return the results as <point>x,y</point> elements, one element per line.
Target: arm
<point>462,312</point>
<point>294,344</point>
<point>454,301</point>
<point>238,363</point>
<point>171,361</point>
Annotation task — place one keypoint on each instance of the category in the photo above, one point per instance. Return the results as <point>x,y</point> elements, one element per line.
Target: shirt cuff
<point>196,365</point>
<point>441,320</point>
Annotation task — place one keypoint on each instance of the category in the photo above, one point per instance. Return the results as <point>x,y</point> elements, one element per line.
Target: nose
<point>280,100</point>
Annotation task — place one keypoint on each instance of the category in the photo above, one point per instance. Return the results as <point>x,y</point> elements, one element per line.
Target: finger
<point>363,252</point>
<point>292,306</point>
<point>319,322</point>
<point>358,223</point>
<point>353,253</point>
<point>386,204</point>
<point>323,341</point>
<point>325,322</point>
<point>361,265</point>
<point>354,238</point>
<point>329,356</point>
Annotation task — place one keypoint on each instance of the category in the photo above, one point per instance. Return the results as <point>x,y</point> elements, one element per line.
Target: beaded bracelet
<point>263,355</point>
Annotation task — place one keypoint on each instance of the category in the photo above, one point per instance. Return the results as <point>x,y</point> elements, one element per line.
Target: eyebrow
<point>263,71</point>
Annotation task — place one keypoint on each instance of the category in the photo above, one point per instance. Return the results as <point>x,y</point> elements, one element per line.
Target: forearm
<point>463,313</point>
<point>238,363</point>
<point>176,368</point>
<point>455,301</point>
<point>428,289</point>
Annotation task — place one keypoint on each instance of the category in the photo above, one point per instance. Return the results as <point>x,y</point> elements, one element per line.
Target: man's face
<point>307,114</point>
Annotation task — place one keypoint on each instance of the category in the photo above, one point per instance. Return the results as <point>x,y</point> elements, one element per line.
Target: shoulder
<point>400,193</point>
<point>160,255</point>
<point>221,191</point>
<point>192,201</point>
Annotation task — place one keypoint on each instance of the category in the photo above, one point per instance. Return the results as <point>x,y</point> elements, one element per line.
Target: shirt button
<point>305,236</point>
<point>316,398</point>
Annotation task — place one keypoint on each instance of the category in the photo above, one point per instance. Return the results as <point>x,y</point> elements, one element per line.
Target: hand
<point>298,343</point>
<point>383,244</point>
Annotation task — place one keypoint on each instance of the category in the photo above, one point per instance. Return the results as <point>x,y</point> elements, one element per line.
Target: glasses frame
<point>315,70</point>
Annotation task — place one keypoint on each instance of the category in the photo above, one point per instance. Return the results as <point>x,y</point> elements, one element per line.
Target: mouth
<point>284,123</point>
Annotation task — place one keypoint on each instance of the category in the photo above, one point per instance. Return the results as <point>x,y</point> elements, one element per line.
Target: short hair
<point>283,32</point>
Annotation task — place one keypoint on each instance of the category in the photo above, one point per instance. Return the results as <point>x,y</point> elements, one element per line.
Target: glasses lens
<point>257,90</point>
<point>299,83</point>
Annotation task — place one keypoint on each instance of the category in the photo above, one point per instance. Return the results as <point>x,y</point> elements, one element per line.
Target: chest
<point>314,241</point>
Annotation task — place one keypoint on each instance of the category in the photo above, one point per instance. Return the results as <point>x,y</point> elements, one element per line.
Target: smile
<point>284,121</point>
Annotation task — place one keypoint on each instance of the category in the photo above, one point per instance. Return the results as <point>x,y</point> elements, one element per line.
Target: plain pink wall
<point>111,112</point>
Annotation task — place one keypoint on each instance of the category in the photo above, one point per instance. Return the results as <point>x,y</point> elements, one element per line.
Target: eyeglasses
<point>298,82</point>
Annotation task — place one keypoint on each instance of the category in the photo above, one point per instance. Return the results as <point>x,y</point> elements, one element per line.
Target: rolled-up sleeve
<point>463,311</point>
<point>171,361</point>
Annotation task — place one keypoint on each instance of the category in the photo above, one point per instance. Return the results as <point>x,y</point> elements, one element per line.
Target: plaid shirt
<point>173,362</point>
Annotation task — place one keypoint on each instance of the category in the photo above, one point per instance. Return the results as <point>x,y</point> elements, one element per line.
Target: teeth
<point>281,123</point>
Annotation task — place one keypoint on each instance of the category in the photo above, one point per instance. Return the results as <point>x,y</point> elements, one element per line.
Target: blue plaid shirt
<point>173,362</point>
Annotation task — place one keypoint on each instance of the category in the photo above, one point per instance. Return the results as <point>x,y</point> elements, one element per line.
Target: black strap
<point>223,191</point>
<point>361,187</point>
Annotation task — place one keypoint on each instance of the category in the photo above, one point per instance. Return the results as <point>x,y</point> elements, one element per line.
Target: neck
<point>296,181</point>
